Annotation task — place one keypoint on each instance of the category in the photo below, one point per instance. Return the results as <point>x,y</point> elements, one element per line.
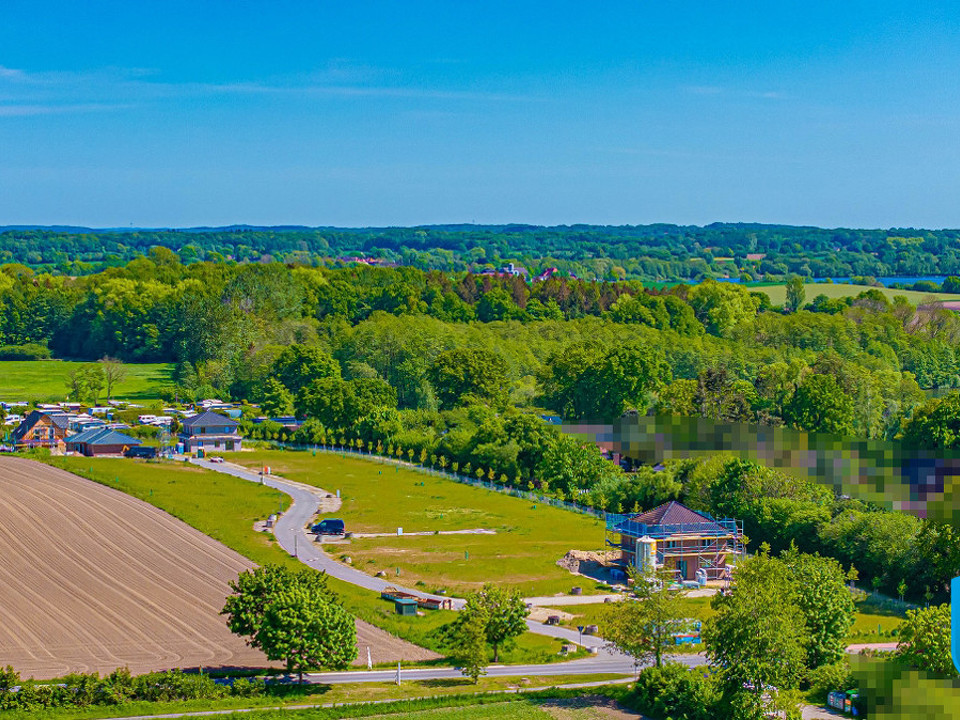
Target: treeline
<point>659,252</point>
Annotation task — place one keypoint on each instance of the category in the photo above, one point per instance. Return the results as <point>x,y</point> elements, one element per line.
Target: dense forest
<point>456,370</point>
<point>654,253</point>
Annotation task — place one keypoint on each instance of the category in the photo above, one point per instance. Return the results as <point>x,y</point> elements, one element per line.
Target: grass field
<point>380,498</point>
<point>778,293</point>
<point>225,508</point>
<point>46,380</point>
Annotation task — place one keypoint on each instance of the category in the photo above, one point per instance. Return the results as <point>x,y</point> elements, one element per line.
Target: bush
<point>30,351</point>
<point>255,687</point>
<point>836,677</point>
<point>675,691</point>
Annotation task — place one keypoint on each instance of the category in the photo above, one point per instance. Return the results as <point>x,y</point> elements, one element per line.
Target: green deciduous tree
<point>826,604</point>
<point>758,638</point>
<point>821,405</point>
<point>470,647</point>
<point>501,612</point>
<point>468,374</point>
<point>292,616</point>
<point>795,294</point>
<point>924,640</point>
<point>644,629</point>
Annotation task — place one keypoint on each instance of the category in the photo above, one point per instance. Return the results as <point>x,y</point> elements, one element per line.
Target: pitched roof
<point>670,518</point>
<point>102,436</point>
<point>208,418</point>
<point>671,513</point>
<point>59,420</point>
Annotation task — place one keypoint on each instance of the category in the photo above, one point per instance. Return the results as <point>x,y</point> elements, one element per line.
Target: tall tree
<point>292,616</point>
<point>501,612</point>
<point>114,372</point>
<point>924,641</point>
<point>757,639</point>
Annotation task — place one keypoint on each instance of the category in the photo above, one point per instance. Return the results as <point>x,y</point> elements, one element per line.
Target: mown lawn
<point>778,293</point>
<point>225,508</point>
<point>529,539</point>
<point>46,380</point>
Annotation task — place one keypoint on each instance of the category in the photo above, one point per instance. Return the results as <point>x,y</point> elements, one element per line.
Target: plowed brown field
<point>93,579</point>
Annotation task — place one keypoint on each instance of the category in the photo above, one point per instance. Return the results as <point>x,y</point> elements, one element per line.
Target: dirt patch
<point>540,614</point>
<point>595,565</point>
<point>589,707</point>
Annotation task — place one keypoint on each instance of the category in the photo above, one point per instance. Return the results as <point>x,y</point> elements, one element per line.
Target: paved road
<point>292,536</point>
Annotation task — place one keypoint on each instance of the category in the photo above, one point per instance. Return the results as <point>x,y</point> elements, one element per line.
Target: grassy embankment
<point>46,380</point>
<point>458,698</point>
<point>225,508</point>
<point>778,293</point>
<point>381,497</point>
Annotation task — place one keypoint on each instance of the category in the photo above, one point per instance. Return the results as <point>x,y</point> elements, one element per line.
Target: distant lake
<point>891,280</point>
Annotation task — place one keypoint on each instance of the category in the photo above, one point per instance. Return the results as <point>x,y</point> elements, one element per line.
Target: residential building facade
<point>210,432</point>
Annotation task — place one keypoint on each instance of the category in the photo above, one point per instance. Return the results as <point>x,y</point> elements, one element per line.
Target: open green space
<point>46,380</point>
<point>225,508</point>
<point>382,497</point>
<point>778,293</point>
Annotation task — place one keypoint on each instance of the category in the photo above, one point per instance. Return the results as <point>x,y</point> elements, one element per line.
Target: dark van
<point>329,526</point>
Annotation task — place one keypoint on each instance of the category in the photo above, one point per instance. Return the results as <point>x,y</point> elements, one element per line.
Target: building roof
<point>208,418</point>
<point>672,518</point>
<point>103,436</point>
<point>57,419</point>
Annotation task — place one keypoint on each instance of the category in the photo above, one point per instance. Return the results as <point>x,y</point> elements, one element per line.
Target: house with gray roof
<point>210,432</point>
<point>100,441</point>
<point>42,429</point>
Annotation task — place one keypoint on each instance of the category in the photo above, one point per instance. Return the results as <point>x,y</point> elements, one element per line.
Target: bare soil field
<point>93,579</point>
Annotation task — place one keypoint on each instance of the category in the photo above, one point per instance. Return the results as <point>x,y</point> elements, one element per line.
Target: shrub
<point>675,691</point>
<point>830,678</point>
<point>254,687</point>
<point>29,351</point>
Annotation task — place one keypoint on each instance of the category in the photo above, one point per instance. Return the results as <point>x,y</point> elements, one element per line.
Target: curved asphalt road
<point>290,532</point>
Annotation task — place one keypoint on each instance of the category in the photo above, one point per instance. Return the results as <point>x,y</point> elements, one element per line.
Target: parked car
<point>216,459</point>
<point>328,526</point>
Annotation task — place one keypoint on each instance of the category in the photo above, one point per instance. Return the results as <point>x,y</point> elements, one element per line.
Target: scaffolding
<point>715,544</point>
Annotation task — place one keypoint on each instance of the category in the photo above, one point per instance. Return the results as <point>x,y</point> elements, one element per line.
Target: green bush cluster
<point>119,687</point>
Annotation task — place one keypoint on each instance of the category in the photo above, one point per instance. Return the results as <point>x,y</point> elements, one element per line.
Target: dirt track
<point>92,579</point>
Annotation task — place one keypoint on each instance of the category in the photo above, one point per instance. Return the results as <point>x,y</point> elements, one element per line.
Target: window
<point>673,544</point>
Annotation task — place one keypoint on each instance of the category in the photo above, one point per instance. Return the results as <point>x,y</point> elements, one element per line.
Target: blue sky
<point>169,114</point>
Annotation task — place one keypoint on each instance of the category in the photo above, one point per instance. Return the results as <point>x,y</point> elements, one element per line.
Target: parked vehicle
<point>329,526</point>
<point>216,459</point>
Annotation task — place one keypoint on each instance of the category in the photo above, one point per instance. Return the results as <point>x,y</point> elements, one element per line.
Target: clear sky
<point>841,113</point>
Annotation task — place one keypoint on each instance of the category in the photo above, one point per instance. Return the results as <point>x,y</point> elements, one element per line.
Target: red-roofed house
<point>674,537</point>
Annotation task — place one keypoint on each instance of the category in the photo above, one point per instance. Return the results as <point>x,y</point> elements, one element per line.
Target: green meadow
<point>46,380</point>
<point>778,293</point>
<point>528,538</point>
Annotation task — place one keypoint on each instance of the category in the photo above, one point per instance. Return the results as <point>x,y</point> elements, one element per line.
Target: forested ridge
<point>454,370</point>
<point>660,252</point>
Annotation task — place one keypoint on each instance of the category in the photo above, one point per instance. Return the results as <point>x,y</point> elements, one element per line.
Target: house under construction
<point>694,545</point>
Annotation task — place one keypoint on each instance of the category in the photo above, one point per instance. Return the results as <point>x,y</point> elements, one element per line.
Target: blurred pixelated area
<point>919,482</point>
<point>889,690</point>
